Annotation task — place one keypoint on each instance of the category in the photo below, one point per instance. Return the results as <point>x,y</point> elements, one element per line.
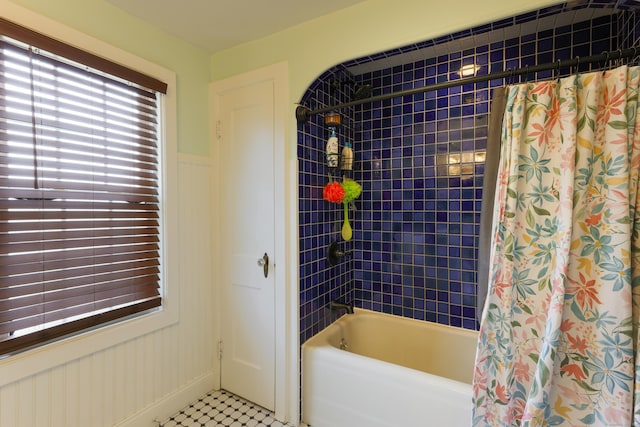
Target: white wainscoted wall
<point>153,375</point>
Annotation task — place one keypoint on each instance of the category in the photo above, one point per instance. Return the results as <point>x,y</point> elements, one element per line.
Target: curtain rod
<point>303,113</point>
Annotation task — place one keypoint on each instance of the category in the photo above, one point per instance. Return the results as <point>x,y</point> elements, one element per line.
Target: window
<point>80,217</point>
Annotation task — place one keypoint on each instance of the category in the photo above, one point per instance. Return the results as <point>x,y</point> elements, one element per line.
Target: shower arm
<point>303,114</point>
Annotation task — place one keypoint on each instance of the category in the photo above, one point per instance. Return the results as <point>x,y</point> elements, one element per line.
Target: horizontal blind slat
<point>14,132</point>
<point>31,194</point>
<point>82,149</point>
<point>79,149</point>
<point>57,301</point>
<point>150,210</point>
<point>7,248</point>
<point>8,290</point>
<point>120,186</point>
<point>36,257</point>
<point>118,226</point>
<point>77,276</point>
<point>45,214</point>
<point>70,263</point>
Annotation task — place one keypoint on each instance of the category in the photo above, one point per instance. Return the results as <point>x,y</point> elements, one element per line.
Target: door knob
<point>264,263</point>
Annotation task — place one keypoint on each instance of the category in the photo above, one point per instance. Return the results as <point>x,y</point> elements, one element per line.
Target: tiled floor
<point>221,408</point>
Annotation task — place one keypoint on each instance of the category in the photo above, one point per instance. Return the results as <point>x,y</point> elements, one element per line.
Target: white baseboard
<point>171,404</point>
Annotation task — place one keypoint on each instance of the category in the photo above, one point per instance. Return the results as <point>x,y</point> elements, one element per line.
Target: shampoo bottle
<point>332,150</point>
<point>346,158</point>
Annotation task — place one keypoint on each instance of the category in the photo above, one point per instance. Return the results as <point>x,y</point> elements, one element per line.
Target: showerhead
<point>361,92</point>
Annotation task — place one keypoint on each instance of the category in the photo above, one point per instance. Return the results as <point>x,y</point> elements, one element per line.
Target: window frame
<point>43,357</point>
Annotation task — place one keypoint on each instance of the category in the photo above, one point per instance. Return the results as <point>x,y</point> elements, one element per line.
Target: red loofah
<point>333,192</point>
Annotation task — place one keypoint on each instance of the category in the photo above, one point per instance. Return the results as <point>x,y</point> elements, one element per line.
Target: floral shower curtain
<point>558,336</point>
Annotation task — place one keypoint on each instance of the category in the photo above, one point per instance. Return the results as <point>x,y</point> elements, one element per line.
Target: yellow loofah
<point>352,191</point>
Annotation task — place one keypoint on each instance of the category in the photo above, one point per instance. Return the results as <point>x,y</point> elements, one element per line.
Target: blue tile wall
<point>320,222</point>
<point>628,29</point>
<point>420,160</point>
<point>422,166</point>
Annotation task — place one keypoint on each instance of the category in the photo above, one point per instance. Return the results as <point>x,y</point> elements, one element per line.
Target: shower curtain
<point>558,336</point>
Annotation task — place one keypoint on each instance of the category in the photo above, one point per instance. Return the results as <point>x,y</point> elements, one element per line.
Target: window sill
<point>28,363</point>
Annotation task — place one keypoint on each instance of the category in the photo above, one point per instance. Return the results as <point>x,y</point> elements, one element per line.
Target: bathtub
<point>394,372</point>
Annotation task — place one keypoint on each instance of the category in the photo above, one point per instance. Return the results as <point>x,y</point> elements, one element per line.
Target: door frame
<point>287,396</point>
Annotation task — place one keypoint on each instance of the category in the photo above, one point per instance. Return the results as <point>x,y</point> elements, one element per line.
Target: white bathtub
<point>397,372</point>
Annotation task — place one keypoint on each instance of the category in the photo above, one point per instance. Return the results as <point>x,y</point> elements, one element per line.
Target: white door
<point>246,138</point>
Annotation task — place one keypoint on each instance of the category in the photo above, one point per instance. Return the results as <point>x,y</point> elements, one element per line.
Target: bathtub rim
<point>323,397</point>
<point>321,344</point>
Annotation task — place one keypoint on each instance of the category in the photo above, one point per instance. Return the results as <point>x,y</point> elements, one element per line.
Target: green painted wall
<point>363,29</point>
<point>104,21</point>
<point>309,48</point>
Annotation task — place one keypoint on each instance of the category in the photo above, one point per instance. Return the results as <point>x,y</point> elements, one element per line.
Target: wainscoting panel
<point>152,376</point>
